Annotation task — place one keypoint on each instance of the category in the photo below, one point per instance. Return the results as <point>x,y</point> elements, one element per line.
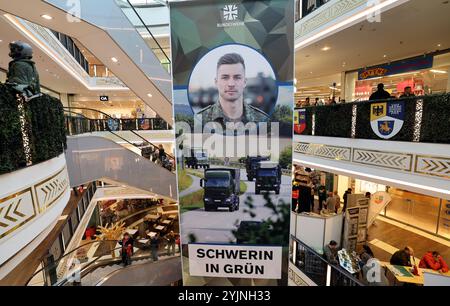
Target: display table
<point>348,261</point>
<point>131,231</point>
<point>404,274</point>
<point>152,234</point>
<point>160,227</point>
<point>315,230</point>
<point>151,217</point>
<point>172,217</point>
<point>166,222</point>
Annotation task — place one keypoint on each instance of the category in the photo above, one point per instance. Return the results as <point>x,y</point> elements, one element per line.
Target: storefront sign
<point>233,93</point>
<point>104,98</point>
<point>235,261</point>
<point>299,121</point>
<point>403,66</point>
<point>386,119</point>
<point>378,201</point>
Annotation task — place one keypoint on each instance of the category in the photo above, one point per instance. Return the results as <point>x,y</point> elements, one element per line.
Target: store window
<point>414,209</point>
<point>434,80</point>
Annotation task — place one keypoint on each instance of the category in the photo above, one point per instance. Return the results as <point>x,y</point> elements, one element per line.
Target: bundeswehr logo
<point>386,118</point>
<point>299,121</point>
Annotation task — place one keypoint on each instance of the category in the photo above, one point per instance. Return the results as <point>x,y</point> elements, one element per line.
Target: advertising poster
<point>232,66</point>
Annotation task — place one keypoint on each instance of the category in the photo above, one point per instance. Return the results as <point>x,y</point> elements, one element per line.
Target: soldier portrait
<point>230,106</point>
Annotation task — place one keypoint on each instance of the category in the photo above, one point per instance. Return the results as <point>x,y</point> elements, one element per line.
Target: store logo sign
<point>230,12</point>
<point>386,119</point>
<point>300,121</point>
<point>104,98</point>
<point>373,73</point>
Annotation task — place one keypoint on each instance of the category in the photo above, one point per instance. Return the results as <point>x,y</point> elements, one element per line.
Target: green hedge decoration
<point>436,119</point>
<point>12,155</point>
<point>47,128</point>
<point>364,130</point>
<point>334,120</point>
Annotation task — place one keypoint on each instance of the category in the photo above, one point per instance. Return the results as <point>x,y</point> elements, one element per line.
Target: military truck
<point>198,159</point>
<point>251,163</point>
<point>268,177</point>
<point>221,188</point>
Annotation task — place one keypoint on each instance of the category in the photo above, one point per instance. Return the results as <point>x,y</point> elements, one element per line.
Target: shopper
<point>402,257</point>
<point>322,196</point>
<point>162,153</point>
<point>154,246</point>
<point>407,93</point>
<point>380,94</point>
<point>330,252</point>
<point>433,260</point>
<point>332,203</point>
<point>345,197</point>
<point>171,242</point>
<point>127,249</point>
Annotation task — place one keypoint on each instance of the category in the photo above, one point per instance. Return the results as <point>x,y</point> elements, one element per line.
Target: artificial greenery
<point>333,120</point>
<point>436,119</point>
<point>12,155</point>
<point>48,131</point>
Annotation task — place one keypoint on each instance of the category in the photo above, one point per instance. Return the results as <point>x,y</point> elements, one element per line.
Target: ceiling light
<point>385,56</point>
<point>439,45</point>
<point>295,81</point>
<point>326,48</point>
<point>438,71</point>
<point>149,95</point>
<point>47,17</point>
<point>115,60</point>
<point>1,40</point>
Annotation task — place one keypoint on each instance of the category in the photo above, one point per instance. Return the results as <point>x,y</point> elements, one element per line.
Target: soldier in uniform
<point>22,74</point>
<point>230,82</point>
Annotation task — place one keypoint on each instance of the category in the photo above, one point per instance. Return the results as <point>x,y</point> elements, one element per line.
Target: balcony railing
<point>306,7</point>
<point>319,270</point>
<point>30,132</point>
<point>425,119</point>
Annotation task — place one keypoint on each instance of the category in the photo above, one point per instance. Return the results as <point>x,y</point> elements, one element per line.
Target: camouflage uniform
<point>214,113</point>
<point>23,72</point>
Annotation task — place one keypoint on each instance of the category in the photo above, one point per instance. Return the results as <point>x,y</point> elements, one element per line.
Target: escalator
<point>103,267</point>
<point>91,158</point>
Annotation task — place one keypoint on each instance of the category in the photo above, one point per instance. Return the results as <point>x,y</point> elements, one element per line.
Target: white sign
<point>235,261</point>
<point>378,202</point>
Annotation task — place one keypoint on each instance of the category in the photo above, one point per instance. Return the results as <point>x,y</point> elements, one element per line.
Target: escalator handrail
<point>150,32</point>
<point>64,280</point>
<point>56,262</point>
<point>106,277</point>
<point>155,146</point>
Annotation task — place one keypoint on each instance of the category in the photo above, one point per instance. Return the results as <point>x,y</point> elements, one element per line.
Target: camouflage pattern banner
<point>232,66</point>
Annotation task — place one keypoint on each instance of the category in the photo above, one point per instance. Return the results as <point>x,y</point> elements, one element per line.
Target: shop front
<point>425,74</point>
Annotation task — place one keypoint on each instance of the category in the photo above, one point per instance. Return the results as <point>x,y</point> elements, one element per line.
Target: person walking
<point>127,249</point>
<point>322,196</point>
<point>154,246</point>
<point>171,242</point>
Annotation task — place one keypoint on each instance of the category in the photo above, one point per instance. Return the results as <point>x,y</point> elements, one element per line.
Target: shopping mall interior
<point>102,170</point>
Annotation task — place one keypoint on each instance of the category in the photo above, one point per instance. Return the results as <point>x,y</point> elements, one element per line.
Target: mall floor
<point>385,238</point>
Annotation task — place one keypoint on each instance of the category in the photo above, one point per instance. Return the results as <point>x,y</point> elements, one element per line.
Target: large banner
<point>232,66</point>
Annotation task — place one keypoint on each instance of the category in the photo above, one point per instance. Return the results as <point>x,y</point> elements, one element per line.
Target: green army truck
<point>221,188</point>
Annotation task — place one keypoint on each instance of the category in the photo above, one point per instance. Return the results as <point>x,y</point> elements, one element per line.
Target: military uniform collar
<point>218,113</point>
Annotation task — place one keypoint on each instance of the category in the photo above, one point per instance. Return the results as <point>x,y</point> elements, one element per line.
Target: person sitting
<point>402,257</point>
<point>433,260</point>
<point>330,252</point>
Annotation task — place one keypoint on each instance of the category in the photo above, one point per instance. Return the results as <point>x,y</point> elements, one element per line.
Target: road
<point>216,226</point>
<point>193,188</point>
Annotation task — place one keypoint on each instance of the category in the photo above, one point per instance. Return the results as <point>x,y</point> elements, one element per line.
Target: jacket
<point>380,95</point>
<point>23,72</point>
<point>401,258</point>
<point>428,262</point>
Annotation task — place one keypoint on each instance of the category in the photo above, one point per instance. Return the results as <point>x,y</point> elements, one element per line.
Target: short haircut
<point>230,59</point>
<point>332,242</point>
<point>407,87</point>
